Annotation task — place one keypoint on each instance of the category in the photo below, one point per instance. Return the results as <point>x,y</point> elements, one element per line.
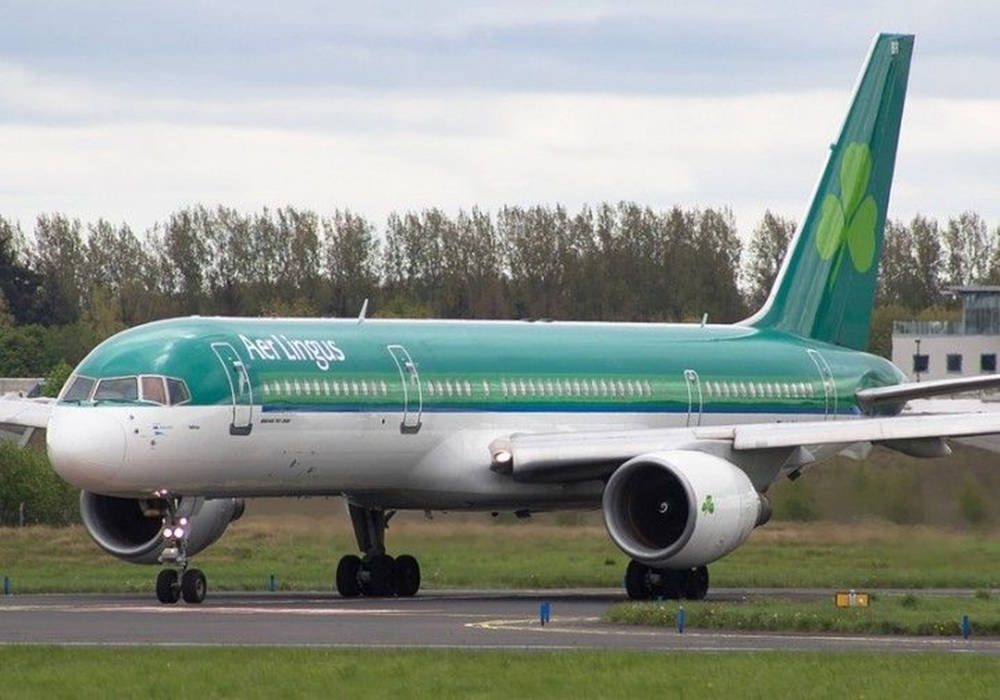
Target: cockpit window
<point>79,390</point>
<point>152,389</point>
<point>178,391</point>
<point>118,389</point>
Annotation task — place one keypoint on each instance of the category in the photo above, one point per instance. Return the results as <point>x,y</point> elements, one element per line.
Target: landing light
<point>184,522</point>
<point>168,533</point>
<point>178,532</point>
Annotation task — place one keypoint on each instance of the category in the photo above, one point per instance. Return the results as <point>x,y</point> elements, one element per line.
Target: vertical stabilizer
<point>826,286</point>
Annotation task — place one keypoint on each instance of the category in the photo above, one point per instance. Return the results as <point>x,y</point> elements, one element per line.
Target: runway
<point>454,619</point>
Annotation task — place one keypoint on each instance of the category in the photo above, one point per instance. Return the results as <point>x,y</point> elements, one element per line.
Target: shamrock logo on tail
<point>849,220</point>
<point>708,506</point>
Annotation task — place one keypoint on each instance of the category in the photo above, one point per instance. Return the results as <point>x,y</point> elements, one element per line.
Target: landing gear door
<point>413,398</point>
<point>829,387</point>
<point>693,383</point>
<point>239,386</point>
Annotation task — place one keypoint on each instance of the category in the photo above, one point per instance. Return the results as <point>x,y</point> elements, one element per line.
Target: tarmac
<point>434,619</point>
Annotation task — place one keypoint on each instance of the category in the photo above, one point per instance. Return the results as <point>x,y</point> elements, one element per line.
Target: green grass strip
<point>905,615</point>
<point>59,672</point>
<point>303,553</point>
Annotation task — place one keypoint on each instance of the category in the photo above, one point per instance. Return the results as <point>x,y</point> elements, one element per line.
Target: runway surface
<point>454,619</point>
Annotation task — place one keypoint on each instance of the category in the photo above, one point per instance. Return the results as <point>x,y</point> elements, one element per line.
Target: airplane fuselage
<point>400,413</point>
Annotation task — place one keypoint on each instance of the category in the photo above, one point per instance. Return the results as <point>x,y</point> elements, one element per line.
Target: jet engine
<point>680,508</point>
<point>132,528</point>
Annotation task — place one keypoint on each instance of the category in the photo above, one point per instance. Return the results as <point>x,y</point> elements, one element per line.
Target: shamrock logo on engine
<point>708,507</point>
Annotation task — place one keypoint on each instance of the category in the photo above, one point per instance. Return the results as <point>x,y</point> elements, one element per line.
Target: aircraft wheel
<point>167,589</point>
<point>406,576</point>
<point>696,583</point>
<point>637,581</point>
<point>670,585</point>
<point>378,583</point>
<point>347,576</point>
<point>194,586</point>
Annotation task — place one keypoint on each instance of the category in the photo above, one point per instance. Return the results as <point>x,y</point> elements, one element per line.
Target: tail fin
<point>826,286</point>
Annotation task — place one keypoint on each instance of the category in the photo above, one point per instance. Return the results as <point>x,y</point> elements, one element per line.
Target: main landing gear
<point>643,582</point>
<point>375,573</point>
<point>171,584</point>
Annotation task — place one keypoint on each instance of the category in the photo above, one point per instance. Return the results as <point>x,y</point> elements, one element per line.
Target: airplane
<point>675,431</point>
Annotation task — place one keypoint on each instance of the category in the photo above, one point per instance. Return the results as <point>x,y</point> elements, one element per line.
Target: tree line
<point>67,284</point>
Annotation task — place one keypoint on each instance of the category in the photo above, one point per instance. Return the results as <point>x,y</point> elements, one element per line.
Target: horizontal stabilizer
<point>901,393</point>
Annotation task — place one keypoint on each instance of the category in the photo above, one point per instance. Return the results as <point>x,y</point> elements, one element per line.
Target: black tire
<point>696,583</point>
<point>194,586</point>
<point>637,581</point>
<point>670,585</point>
<point>406,575</point>
<point>347,576</point>
<point>167,590</point>
<point>379,581</point>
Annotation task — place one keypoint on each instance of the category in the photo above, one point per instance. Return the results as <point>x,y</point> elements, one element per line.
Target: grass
<point>908,614</point>
<point>58,672</point>
<point>474,551</point>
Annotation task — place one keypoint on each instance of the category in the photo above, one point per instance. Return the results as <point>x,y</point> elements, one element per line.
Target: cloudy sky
<point>132,110</point>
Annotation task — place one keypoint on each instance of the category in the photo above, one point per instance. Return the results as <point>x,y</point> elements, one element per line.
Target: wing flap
<point>578,455</point>
<point>770,435</point>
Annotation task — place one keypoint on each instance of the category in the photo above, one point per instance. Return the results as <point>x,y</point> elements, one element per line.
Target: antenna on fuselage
<point>364,312</point>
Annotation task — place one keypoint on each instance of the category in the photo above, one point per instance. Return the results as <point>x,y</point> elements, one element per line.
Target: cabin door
<point>693,383</point>
<point>239,386</point>
<point>413,397</point>
<point>829,387</point>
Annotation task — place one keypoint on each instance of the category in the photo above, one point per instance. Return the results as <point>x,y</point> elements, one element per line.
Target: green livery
<point>833,260</point>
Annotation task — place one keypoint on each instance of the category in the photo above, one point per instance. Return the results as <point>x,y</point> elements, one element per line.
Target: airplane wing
<point>575,455</point>
<point>33,413</point>
<point>901,393</point>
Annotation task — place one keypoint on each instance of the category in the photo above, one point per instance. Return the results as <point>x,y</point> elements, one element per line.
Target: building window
<point>921,363</point>
<point>988,362</point>
<point>954,362</point>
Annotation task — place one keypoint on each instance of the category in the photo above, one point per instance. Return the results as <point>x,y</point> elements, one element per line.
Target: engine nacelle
<point>132,528</point>
<point>680,508</point>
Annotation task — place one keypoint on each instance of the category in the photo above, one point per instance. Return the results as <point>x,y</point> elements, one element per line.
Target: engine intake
<point>131,528</point>
<point>680,508</point>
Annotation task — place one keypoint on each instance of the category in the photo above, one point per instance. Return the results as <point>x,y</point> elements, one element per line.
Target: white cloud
<point>89,151</point>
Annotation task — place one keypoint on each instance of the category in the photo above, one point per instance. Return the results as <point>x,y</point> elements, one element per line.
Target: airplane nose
<point>86,446</point>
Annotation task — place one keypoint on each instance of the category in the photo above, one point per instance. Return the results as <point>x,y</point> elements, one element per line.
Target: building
<point>942,349</point>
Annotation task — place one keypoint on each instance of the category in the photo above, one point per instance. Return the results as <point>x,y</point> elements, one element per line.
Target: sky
<point>132,110</point>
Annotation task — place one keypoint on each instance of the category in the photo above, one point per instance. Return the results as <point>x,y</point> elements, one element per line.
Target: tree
<point>970,249</point>
<point>910,270</point>
<point>19,285</point>
<point>57,257</point>
<point>767,249</point>
<point>351,251</point>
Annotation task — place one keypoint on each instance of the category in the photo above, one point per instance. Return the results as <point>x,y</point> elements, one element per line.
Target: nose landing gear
<point>171,585</point>
<point>375,574</point>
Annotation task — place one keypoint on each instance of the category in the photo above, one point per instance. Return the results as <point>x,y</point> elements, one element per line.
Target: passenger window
<point>152,390</point>
<point>486,388</point>
<point>120,389</point>
<point>79,390</point>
